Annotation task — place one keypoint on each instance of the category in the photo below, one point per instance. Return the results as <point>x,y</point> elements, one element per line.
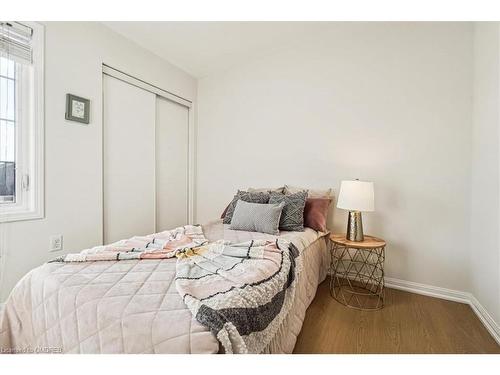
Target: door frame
<point>191,183</point>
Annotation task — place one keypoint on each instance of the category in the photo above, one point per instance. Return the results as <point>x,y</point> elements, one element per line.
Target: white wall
<point>73,56</point>
<point>386,102</point>
<point>485,189</point>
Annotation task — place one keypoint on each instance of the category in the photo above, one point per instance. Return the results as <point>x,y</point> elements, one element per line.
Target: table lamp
<point>356,196</point>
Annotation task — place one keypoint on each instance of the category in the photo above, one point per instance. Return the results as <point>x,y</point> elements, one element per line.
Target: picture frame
<point>77,109</point>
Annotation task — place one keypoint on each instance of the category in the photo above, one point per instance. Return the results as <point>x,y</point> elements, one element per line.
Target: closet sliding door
<point>145,159</point>
<point>128,160</point>
<point>171,164</point>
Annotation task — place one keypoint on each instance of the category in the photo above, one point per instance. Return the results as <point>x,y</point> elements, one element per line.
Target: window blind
<point>15,41</point>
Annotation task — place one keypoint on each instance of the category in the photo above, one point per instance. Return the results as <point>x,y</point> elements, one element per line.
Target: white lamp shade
<point>356,196</point>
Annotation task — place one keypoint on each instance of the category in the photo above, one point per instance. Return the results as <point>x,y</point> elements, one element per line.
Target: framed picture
<point>77,109</point>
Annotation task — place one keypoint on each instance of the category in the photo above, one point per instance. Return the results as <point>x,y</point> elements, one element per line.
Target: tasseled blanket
<point>242,292</point>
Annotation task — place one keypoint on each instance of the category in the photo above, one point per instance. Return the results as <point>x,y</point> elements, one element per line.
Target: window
<point>8,86</point>
<point>21,121</point>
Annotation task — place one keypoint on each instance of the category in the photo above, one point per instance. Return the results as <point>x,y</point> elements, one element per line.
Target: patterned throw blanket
<point>241,292</point>
<point>154,246</point>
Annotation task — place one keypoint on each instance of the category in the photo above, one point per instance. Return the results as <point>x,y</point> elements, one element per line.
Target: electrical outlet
<point>56,242</point>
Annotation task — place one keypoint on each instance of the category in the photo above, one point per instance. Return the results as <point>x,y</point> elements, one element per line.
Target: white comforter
<point>132,306</point>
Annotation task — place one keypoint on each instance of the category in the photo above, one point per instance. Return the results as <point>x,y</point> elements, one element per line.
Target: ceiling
<point>204,48</point>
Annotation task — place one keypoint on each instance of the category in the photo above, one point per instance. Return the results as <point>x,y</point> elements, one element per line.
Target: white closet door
<point>171,164</point>
<point>129,160</point>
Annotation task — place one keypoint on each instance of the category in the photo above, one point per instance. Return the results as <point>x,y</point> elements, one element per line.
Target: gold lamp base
<point>354,227</point>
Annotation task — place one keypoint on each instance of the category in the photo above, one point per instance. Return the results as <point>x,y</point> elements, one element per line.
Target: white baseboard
<point>428,290</point>
<point>450,295</point>
<point>485,318</point>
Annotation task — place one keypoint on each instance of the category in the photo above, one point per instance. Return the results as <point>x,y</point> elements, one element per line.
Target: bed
<point>132,306</point>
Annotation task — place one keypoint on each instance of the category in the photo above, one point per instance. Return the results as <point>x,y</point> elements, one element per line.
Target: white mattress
<point>132,306</point>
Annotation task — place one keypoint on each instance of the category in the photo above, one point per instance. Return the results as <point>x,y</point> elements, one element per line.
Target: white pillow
<point>311,193</point>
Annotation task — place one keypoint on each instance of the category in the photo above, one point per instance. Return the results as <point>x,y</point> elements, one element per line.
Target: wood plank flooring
<point>409,323</point>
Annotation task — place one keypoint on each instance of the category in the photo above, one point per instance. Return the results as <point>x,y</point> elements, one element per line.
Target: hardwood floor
<point>409,323</point>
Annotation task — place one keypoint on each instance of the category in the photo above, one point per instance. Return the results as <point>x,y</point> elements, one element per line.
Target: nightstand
<point>357,272</point>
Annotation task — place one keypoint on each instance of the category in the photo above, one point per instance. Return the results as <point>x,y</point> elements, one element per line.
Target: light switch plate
<point>56,242</point>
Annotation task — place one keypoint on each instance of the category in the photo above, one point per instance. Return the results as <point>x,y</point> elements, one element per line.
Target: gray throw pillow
<point>246,196</point>
<point>292,217</point>
<point>257,217</point>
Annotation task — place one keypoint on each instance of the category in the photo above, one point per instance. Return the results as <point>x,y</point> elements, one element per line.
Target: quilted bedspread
<point>130,306</point>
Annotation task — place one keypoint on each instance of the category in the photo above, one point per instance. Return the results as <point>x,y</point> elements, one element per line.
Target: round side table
<point>357,272</point>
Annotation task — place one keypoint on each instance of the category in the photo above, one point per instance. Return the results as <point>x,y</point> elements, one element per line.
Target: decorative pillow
<point>257,217</point>
<point>225,211</point>
<point>311,193</point>
<point>267,190</point>
<point>244,196</point>
<point>316,212</point>
<point>292,217</point>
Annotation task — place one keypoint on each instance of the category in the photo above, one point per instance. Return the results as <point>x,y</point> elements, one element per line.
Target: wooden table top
<point>368,243</point>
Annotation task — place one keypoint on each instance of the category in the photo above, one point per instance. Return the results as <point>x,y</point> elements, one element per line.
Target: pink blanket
<point>154,246</point>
